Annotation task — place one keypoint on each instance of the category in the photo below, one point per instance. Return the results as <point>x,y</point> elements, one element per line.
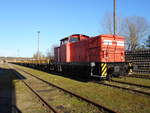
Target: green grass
<point>140,81</point>
<point>116,99</point>
<point>26,100</point>
<point>141,74</point>
<point>22,97</point>
<point>59,100</point>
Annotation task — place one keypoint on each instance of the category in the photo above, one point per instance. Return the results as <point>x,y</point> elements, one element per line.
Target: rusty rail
<point>125,88</point>
<point>39,97</point>
<point>71,93</point>
<point>138,85</point>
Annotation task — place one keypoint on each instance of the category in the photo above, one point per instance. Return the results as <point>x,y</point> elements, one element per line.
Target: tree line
<point>135,29</point>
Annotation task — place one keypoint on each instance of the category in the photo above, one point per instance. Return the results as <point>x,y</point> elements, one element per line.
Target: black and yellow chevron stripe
<point>103,69</point>
<point>130,68</point>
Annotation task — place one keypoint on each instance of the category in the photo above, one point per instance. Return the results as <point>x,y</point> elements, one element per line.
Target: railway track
<point>43,102</point>
<point>140,76</point>
<point>136,88</point>
<point>128,83</point>
<point>100,107</point>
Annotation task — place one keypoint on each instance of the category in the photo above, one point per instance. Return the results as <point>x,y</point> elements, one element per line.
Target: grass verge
<point>116,99</point>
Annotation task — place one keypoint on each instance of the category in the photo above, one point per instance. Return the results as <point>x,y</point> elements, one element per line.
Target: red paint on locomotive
<point>81,48</point>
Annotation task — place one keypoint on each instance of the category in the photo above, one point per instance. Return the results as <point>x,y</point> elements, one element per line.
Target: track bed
<point>113,98</point>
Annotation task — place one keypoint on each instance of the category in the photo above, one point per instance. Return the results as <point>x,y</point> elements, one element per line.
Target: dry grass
<point>116,99</point>
<point>23,98</point>
<point>61,101</point>
<point>26,100</point>
<point>140,81</point>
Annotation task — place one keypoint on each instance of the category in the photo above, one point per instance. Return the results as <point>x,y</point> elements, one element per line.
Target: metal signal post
<point>38,44</point>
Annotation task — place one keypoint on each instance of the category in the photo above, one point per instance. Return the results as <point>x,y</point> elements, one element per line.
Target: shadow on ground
<point>76,77</point>
<point>7,91</point>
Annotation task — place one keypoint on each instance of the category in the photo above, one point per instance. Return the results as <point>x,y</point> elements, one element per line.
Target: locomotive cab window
<point>64,41</point>
<point>73,39</point>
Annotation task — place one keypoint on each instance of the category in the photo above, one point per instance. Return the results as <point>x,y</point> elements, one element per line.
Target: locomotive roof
<point>64,38</point>
<point>74,35</point>
<point>103,35</point>
<point>79,35</point>
<point>111,36</point>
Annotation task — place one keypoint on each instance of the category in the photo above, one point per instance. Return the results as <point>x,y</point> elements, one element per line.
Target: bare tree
<point>50,52</point>
<point>135,28</point>
<point>38,55</point>
<point>107,24</point>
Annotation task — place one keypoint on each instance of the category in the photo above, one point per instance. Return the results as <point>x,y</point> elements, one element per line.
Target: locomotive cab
<point>69,40</point>
<point>64,41</point>
<point>73,38</point>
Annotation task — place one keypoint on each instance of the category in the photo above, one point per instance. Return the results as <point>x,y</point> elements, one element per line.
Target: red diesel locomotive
<point>100,56</point>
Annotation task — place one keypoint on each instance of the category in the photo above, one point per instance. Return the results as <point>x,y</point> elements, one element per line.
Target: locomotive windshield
<point>70,39</point>
<point>64,41</point>
<point>74,39</point>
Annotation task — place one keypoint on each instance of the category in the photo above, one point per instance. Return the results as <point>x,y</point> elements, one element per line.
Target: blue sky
<point>21,19</point>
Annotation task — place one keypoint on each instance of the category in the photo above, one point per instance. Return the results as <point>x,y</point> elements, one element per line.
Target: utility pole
<point>115,28</point>
<point>38,44</point>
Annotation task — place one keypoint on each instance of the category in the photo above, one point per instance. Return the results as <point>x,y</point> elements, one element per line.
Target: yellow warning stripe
<point>130,64</point>
<point>104,73</point>
<point>130,70</point>
<point>102,64</point>
<point>103,69</point>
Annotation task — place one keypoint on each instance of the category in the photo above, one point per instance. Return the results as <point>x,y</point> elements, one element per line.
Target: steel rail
<point>71,93</point>
<point>124,88</point>
<point>139,76</point>
<point>139,85</point>
<point>40,98</point>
